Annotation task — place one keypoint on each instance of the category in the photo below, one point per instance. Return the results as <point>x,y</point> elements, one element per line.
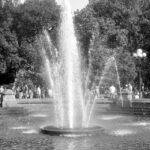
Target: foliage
<point>122,26</point>
<point>104,29</point>
<point>20,27</point>
<point>9,59</point>
<point>33,16</point>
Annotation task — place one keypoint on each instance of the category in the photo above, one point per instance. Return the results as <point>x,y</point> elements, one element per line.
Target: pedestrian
<point>130,93</point>
<point>30,93</point>
<point>43,92</point>
<point>39,92</point>
<point>97,91</point>
<point>1,96</point>
<point>50,92</point>
<point>113,92</point>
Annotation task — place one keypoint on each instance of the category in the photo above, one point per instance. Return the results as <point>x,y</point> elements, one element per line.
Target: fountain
<point>70,107</point>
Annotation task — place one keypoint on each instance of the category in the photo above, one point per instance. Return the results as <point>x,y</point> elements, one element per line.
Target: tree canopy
<point>105,28</point>
<point>20,25</point>
<point>117,28</point>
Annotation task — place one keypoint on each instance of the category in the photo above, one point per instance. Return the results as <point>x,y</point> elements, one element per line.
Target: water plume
<point>73,94</point>
<point>64,72</point>
<point>109,77</point>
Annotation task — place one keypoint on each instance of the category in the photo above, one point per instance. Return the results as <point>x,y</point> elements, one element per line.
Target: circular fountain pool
<point>54,131</point>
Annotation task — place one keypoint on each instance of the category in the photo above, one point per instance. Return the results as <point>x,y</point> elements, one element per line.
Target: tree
<point>9,59</point>
<point>110,34</point>
<point>20,27</point>
<point>31,17</point>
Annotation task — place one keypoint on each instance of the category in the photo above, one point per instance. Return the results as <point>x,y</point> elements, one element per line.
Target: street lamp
<point>139,55</point>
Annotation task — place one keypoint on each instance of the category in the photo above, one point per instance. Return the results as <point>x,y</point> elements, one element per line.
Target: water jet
<point>71,111</point>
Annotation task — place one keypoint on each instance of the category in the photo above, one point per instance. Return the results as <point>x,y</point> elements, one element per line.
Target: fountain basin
<point>54,131</point>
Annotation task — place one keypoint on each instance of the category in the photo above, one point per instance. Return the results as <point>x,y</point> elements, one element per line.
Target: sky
<point>78,4</point>
<point>75,4</point>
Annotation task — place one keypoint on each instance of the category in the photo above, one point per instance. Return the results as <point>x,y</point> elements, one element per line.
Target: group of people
<point>42,92</point>
<point>113,92</point>
<point>25,92</point>
<point>36,92</point>
<point>128,92</point>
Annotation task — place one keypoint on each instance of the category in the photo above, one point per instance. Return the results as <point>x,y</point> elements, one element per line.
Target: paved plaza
<point>20,130</point>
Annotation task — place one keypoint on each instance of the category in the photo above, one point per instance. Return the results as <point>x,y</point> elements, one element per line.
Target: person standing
<point>39,92</point>
<point>43,92</point>
<point>113,92</point>
<point>97,91</point>
<point>130,93</point>
<point>30,93</point>
<point>1,96</point>
<point>50,92</point>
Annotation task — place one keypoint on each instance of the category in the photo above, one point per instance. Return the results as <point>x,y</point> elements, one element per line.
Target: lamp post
<point>139,55</point>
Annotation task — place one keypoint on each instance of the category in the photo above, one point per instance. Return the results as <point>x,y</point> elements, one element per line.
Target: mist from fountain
<point>108,73</point>
<point>118,81</point>
<point>70,57</point>
<point>64,76</point>
<point>59,73</point>
<point>54,76</point>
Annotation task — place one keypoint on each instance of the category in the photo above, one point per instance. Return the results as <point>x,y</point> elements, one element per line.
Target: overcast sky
<point>75,4</point>
<point>78,4</point>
